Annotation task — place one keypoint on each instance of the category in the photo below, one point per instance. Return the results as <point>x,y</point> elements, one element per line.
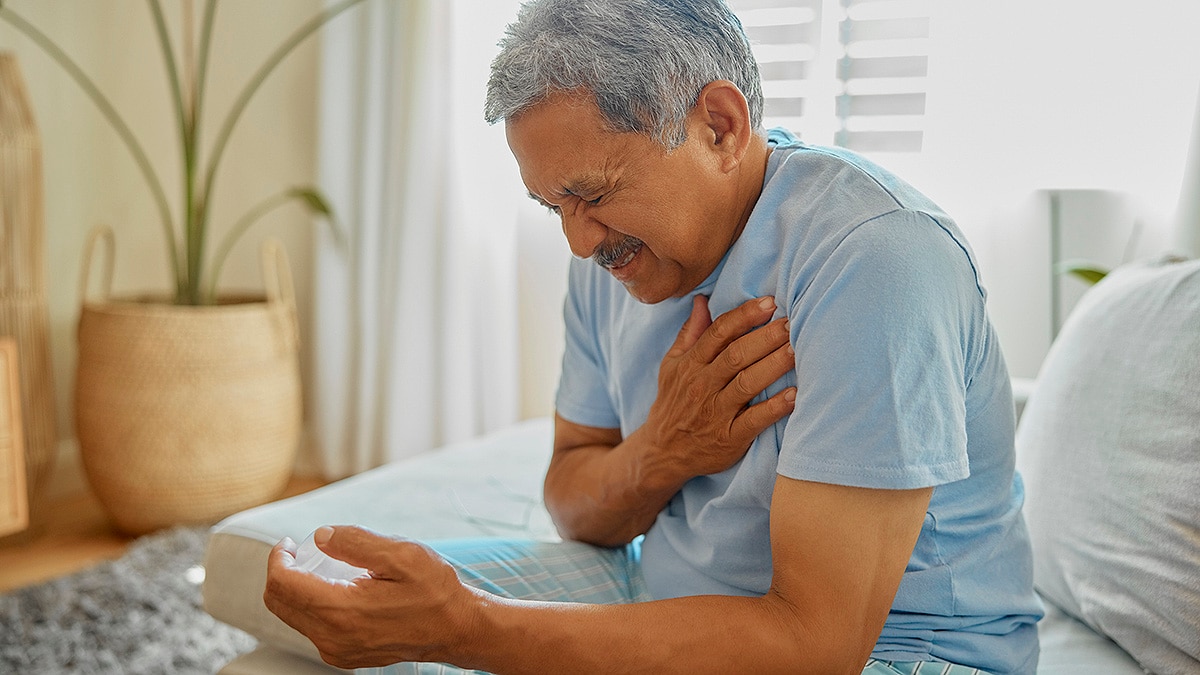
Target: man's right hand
<point>702,421</point>
<point>605,489</point>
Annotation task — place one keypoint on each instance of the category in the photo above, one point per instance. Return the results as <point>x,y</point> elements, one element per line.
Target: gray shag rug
<point>138,614</point>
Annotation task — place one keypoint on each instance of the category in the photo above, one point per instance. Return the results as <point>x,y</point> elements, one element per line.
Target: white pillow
<point>1109,446</point>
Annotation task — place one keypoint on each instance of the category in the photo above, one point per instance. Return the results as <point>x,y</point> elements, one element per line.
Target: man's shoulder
<point>824,176</point>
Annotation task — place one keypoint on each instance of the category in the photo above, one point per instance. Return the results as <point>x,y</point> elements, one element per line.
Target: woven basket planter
<point>187,414</point>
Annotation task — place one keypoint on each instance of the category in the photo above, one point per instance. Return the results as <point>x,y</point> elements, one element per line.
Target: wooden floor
<point>72,532</point>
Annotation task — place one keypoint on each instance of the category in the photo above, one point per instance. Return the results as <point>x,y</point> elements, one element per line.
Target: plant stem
<point>190,273</point>
<point>114,118</point>
<point>247,93</point>
<point>206,28</point>
<point>188,52</point>
<point>199,205</point>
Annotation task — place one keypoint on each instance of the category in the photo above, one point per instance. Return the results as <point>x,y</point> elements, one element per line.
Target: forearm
<point>702,634</point>
<point>607,495</point>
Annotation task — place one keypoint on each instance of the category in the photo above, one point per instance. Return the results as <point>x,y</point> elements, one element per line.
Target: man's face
<point>658,222</point>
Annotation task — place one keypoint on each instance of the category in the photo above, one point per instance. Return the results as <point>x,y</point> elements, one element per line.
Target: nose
<point>584,234</point>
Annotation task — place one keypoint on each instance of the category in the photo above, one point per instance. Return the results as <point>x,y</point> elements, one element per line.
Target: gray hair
<point>644,60</point>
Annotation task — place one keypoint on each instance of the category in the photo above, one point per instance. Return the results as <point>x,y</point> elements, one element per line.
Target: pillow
<point>1109,447</point>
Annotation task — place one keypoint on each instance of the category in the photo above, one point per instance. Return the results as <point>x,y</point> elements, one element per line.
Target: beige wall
<point>91,180</point>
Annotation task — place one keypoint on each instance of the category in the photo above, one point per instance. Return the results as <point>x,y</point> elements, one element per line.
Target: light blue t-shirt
<point>901,384</point>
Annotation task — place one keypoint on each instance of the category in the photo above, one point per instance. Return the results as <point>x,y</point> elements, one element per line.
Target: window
<point>851,73</point>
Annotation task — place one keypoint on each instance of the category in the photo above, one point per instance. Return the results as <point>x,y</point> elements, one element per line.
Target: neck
<point>751,179</point>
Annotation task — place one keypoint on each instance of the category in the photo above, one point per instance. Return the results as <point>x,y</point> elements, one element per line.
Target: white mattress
<point>485,487</point>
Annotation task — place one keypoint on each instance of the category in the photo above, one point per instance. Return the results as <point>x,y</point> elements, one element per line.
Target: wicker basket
<point>187,414</point>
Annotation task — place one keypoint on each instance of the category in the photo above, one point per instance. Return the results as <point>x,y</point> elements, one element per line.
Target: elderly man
<point>818,480</point>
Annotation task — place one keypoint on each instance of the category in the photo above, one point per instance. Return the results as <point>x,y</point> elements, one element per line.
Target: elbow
<point>573,525</point>
<point>588,518</point>
<point>816,644</point>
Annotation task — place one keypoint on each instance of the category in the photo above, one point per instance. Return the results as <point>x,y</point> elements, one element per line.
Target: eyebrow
<point>586,185</point>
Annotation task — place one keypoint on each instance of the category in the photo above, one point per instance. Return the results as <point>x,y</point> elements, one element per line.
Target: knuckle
<point>720,331</point>
<point>741,386</point>
<point>735,356</point>
<point>695,390</point>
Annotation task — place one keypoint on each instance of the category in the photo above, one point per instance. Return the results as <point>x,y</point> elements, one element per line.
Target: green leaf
<point>313,199</point>
<point>1086,271</point>
<point>307,196</point>
<point>317,203</point>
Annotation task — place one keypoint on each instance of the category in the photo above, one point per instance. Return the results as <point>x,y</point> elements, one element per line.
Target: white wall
<point>1037,94</point>
<point>543,257</point>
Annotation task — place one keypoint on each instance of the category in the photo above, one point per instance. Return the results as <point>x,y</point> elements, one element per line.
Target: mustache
<point>608,254</point>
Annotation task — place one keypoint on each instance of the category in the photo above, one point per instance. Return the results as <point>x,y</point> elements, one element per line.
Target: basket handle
<point>281,296</point>
<point>99,233</point>
<point>277,273</point>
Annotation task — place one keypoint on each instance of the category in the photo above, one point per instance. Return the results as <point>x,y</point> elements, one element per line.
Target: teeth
<point>619,255</point>
<point>625,259</point>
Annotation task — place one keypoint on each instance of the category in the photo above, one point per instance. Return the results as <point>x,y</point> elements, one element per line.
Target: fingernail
<point>790,396</point>
<point>766,303</point>
<point>322,535</point>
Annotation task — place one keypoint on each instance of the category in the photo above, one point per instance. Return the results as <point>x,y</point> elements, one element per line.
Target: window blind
<point>843,72</point>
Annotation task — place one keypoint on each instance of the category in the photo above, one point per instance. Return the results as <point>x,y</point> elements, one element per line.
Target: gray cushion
<point>1110,450</point>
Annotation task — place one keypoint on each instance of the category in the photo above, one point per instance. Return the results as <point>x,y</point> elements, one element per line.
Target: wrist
<point>468,642</point>
<point>659,472</point>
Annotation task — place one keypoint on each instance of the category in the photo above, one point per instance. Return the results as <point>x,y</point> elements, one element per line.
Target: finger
<point>752,379</point>
<point>386,557</point>
<point>757,418</point>
<point>289,591</point>
<point>750,349</point>
<point>283,555</point>
<point>697,322</point>
<point>288,545</point>
<point>732,325</point>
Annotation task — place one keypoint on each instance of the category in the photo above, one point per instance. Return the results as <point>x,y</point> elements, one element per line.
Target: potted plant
<point>187,403</point>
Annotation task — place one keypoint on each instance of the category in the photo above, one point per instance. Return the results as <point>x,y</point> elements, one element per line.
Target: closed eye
<point>549,207</point>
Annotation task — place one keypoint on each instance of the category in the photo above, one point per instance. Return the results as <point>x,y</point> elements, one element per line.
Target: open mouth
<point>620,255</point>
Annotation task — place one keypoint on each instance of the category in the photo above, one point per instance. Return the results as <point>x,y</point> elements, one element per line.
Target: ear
<point>724,120</point>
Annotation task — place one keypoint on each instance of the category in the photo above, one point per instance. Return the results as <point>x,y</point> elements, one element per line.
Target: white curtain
<point>415,336</point>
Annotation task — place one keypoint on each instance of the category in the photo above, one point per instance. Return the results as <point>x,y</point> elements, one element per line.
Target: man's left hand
<point>410,607</point>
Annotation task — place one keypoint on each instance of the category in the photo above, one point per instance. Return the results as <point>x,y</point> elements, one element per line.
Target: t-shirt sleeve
<point>583,396</point>
<point>882,337</point>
